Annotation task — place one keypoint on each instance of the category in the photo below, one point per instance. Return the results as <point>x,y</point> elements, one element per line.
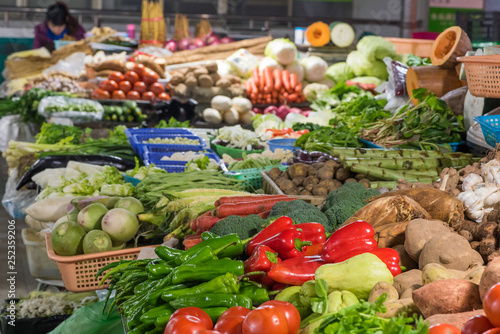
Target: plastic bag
<point>91,320</point>
<point>395,89</point>
<point>15,202</point>
<point>73,64</point>
<point>11,128</point>
<point>75,116</point>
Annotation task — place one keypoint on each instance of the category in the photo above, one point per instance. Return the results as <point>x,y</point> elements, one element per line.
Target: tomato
<point>116,76</point>
<point>140,87</point>
<point>236,311</point>
<point>491,305</point>
<point>108,85</point>
<point>149,96</point>
<point>125,86</point>
<point>492,331</point>
<point>267,319</point>
<point>230,321</point>
<point>157,88</point>
<point>195,312</point>
<point>150,77</point>
<point>131,76</point>
<point>100,94</point>
<point>118,95</point>
<point>291,313</point>
<point>477,325</point>
<point>139,69</point>
<point>185,324</point>
<point>133,95</point>
<point>164,97</point>
<point>443,329</point>
<point>208,331</point>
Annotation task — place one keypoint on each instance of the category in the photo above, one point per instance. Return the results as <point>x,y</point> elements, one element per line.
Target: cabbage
<point>378,69</point>
<point>314,67</point>
<point>262,122</point>
<point>296,68</point>
<point>339,72</point>
<point>376,47</point>
<point>312,90</point>
<point>364,80</point>
<point>293,118</point>
<point>269,62</point>
<point>282,50</point>
<point>358,62</point>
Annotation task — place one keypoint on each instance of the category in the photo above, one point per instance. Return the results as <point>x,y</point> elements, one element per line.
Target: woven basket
<point>483,75</point>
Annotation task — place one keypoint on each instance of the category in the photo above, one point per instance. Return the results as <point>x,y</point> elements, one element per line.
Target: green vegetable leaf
<point>414,60</point>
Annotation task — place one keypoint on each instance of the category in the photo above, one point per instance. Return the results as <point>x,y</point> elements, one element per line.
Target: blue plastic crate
<point>369,144</point>
<point>285,144</point>
<point>138,140</point>
<point>491,128</point>
<point>152,133</point>
<point>155,157</point>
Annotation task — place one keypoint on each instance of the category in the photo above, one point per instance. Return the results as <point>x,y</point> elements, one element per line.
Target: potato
<point>298,181</point>
<point>310,182</point>
<point>211,67</point>
<point>274,173</point>
<point>205,80</point>
<point>457,319</point>
<point>367,183</point>
<point>433,272</point>
<point>285,184</point>
<point>342,174</point>
<point>404,259</point>
<point>350,180</point>
<point>291,192</point>
<point>491,276</point>
<point>381,288</point>
<point>405,280</point>
<point>223,83</point>
<point>332,164</point>
<point>319,191</point>
<point>397,307</point>
<point>447,296</point>
<point>200,71</point>
<point>476,257</point>
<point>297,170</point>
<point>391,234</point>
<point>448,249</point>
<point>190,82</point>
<point>305,193</point>
<point>215,77</point>
<point>324,173</point>
<point>408,292</point>
<point>176,79</point>
<point>474,275</point>
<point>418,232</point>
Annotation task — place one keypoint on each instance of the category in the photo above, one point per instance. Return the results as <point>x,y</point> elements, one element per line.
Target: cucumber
<point>342,34</point>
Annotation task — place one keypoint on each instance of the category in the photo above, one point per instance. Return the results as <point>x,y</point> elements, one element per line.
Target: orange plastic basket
<point>483,75</point>
<point>78,272</point>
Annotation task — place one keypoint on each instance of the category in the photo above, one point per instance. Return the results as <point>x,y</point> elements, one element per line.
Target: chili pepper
<point>154,299</point>
<point>274,228</point>
<point>141,329</point>
<point>356,236</point>
<point>230,244</point>
<point>162,322</point>
<point>207,235</point>
<point>390,257</point>
<point>296,271</point>
<point>314,249</point>
<point>135,312</point>
<point>167,253</point>
<point>227,283</point>
<point>150,316</point>
<point>158,270</point>
<point>140,288</point>
<point>212,300</point>
<point>263,258</point>
<point>204,254</point>
<point>257,294</point>
<point>154,331</point>
<point>313,232</point>
<point>214,312</point>
<point>206,271</point>
<point>288,243</point>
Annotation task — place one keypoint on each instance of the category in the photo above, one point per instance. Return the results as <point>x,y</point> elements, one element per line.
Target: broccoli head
<point>245,227</point>
<point>300,212</point>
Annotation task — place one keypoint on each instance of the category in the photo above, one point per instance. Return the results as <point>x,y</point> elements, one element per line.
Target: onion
<point>226,40</point>
<point>184,43</point>
<point>171,45</point>
<point>215,42</point>
<point>212,38</point>
<point>192,47</point>
<point>199,42</point>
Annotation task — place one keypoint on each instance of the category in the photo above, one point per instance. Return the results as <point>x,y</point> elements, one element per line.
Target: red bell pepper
<point>274,228</point>
<point>296,271</point>
<point>263,259</point>
<point>312,250</point>
<point>349,239</point>
<point>313,232</point>
<point>288,243</point>
<point>390,257</point>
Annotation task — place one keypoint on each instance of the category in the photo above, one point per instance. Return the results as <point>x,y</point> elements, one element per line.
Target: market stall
<point>248,187</point>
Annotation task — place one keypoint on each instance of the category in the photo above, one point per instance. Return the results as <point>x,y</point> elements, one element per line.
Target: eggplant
<point>60,161</point>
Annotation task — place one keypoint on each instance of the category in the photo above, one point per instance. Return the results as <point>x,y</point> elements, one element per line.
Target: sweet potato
<point>397,307</point>
<point>407,279</point>
<point>450,250</point>
<point>391,234</point>
<point>389,210</point>
<point>447,296</point>
<point>439,204</point>
<point>458,319</point>
<point>381,288</point>
<point>491,276</point>
<point>404,259</point>
<point>418,232</point>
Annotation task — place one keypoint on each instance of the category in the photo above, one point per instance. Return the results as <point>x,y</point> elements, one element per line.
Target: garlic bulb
<point>473,204</point>
<point>471,181</point>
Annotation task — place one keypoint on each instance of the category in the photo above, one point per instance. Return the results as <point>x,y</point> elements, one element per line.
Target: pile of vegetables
<point>85,107</point>
<point>128,112</point>
<point>176,140</point>
<point>248,163</point>
<point>237,137</point>
<point>231,111</point>
<point>273,87</point>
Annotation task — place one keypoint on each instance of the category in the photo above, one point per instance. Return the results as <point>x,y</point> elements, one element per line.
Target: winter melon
<point>342,34</point>
<point>318,34</point>
<point>448,46</point>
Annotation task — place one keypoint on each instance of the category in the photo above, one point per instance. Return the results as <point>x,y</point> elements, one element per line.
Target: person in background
<point>59,24</point>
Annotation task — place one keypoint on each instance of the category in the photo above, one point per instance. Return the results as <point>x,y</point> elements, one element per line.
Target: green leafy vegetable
<point>414,60</point>
<point>53,133</point>
<point>320,304</point>
<point>172,123</point>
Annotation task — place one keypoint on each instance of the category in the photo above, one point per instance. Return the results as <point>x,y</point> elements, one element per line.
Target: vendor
<point>59,24</point>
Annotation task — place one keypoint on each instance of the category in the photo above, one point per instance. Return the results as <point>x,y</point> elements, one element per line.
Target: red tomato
<point>139,69</point>
<point>133,95</point>
<point>148,96</point>
<point>108,85</point>
<point>185,324</point>
<point>291,313</point>
<point>118,95</point>
<point>100,94</point>
<point>268,319</point>
<point>164,97</point>
<point>196,312</point>
<point>230,321</point>
<point>157,88</point>
<point>492,331</point>
<point>140,87</point>
<point>477,325</point>
<point>116,76</point>
<point>131,76</point>
<point>491,305</point>
<point>208,331</point>
<point>443,329</point>
<point>125,86</point>
<point>150,77</point>
<point>236,311</point>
